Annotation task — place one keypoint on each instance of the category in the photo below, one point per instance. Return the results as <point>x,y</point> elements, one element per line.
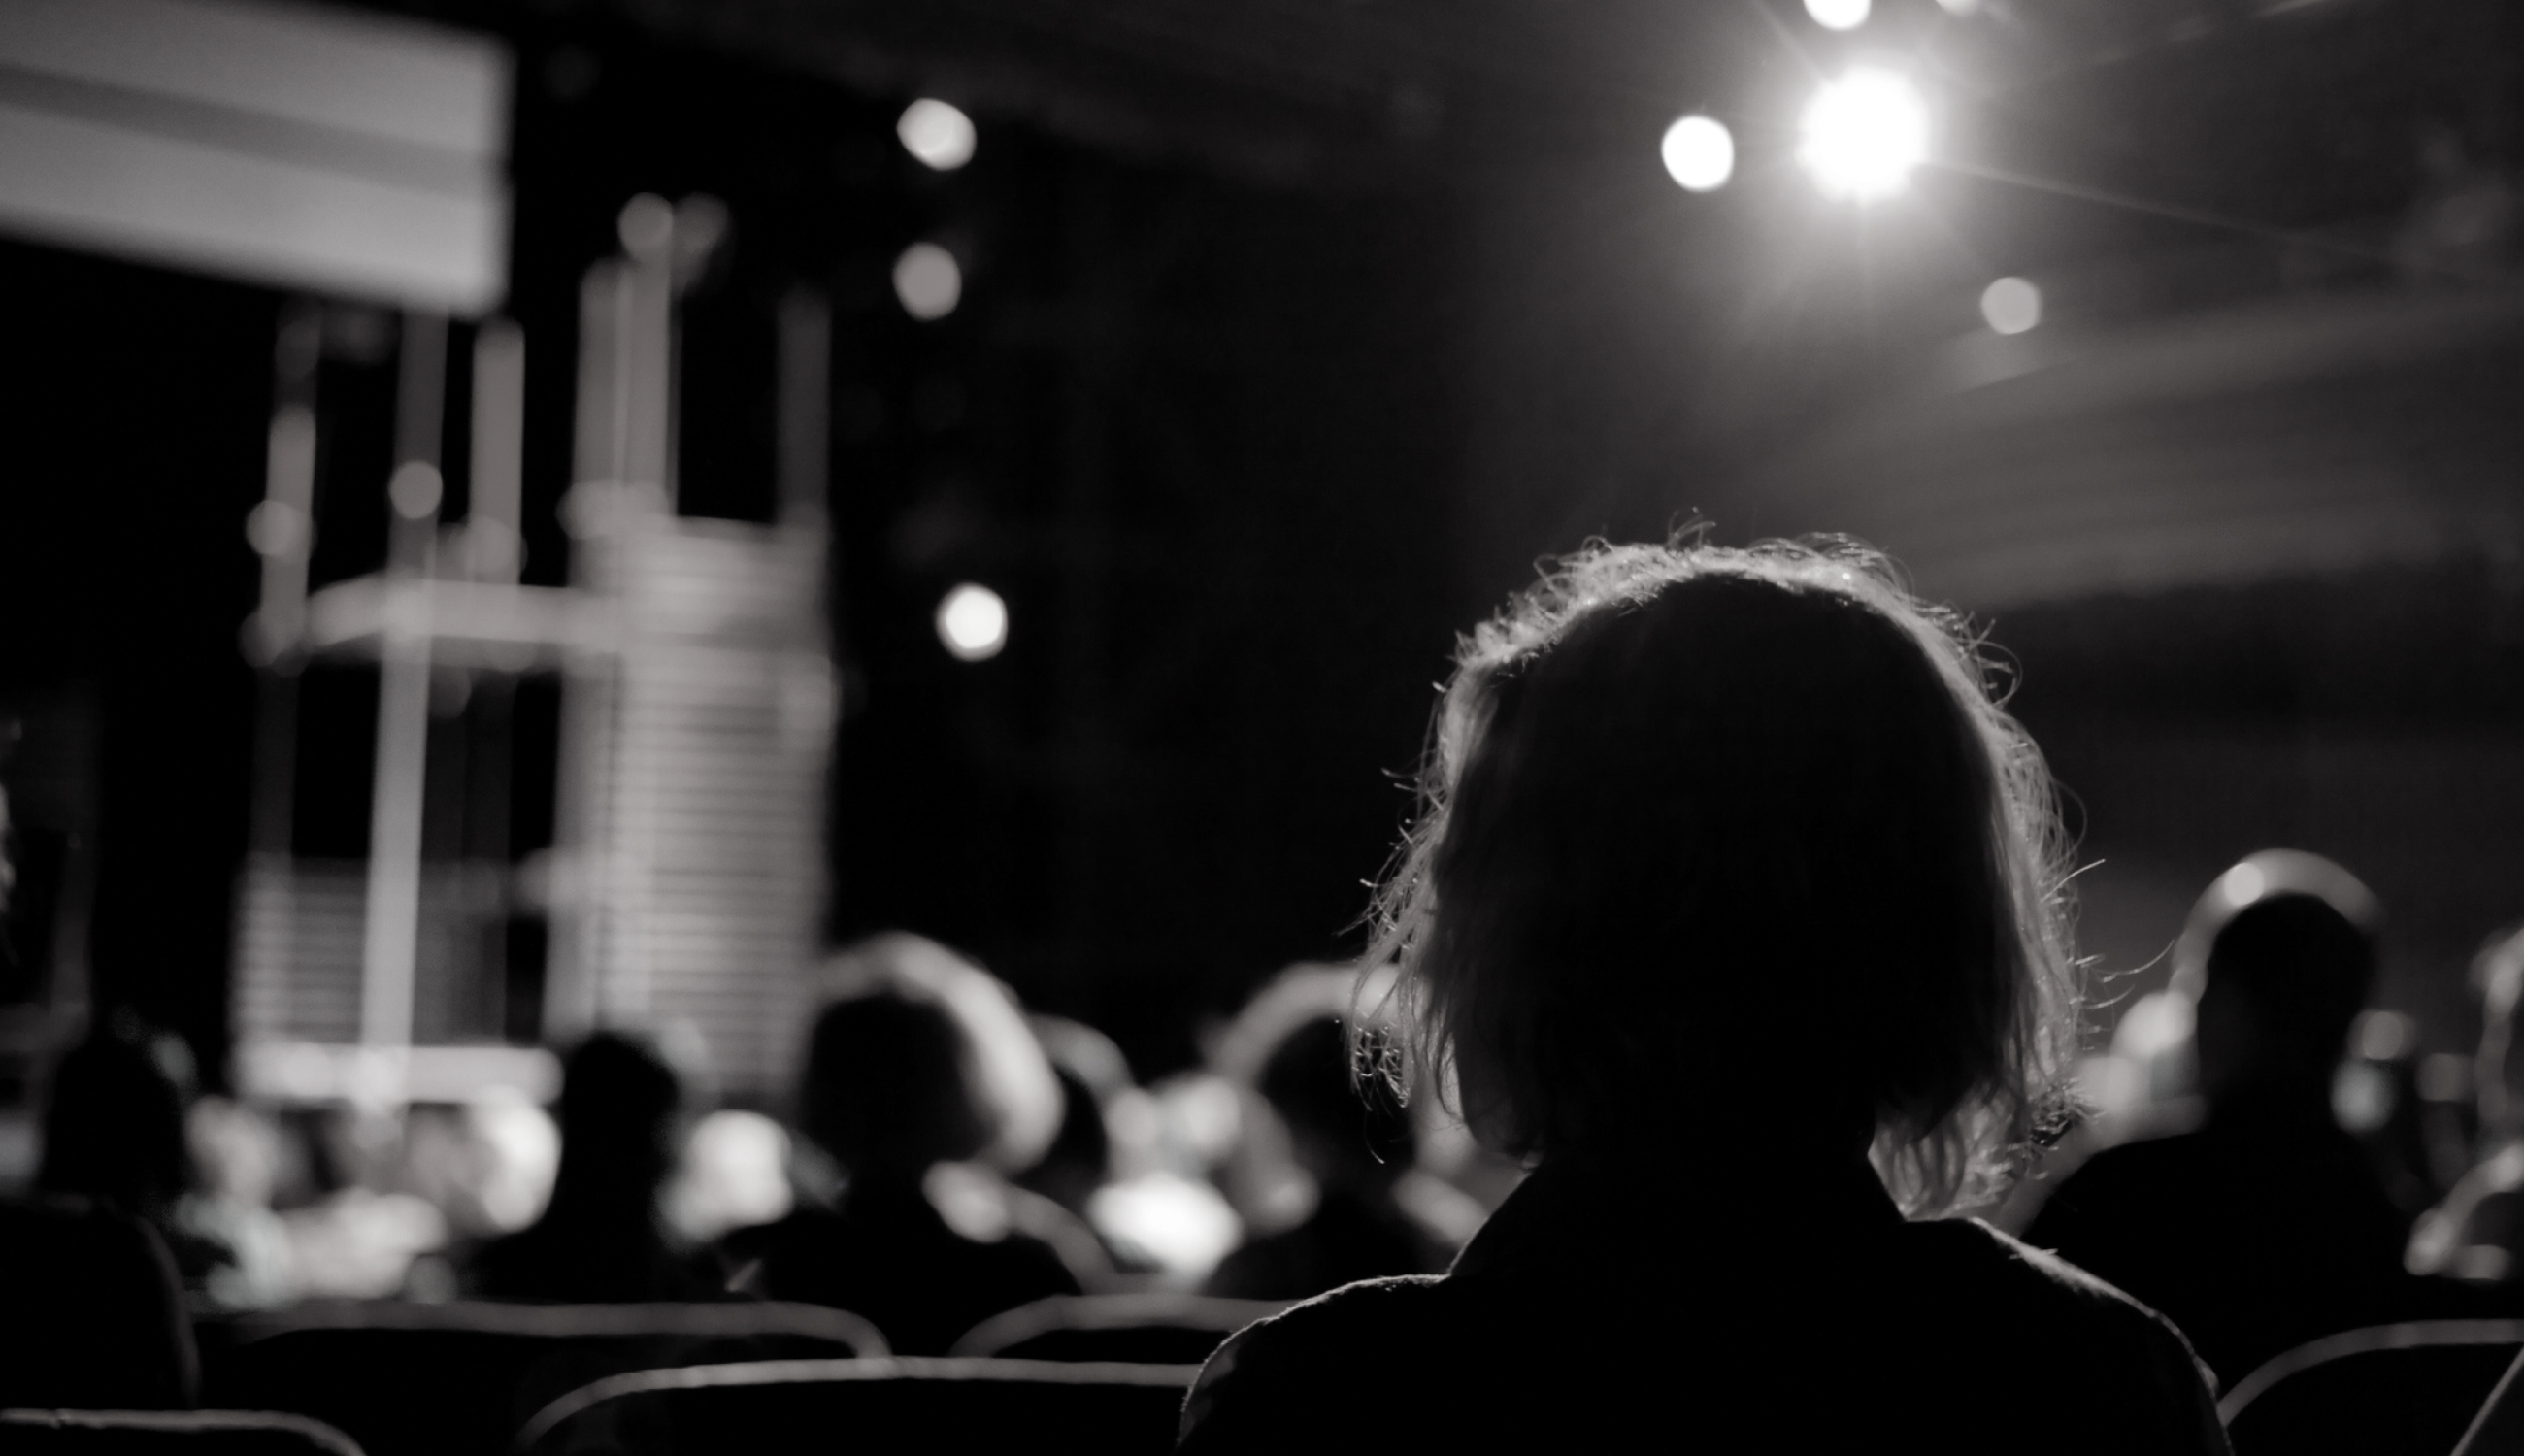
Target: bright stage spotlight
<point>2011,305</point>
<point>1840,15</point>
<point>1862,134</point>
<point>927,281</point>
<point>973,622</point>
<point>1700,151</point>
<point>936,134</point>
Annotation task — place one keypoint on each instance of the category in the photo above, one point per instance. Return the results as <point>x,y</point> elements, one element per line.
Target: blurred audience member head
<point>2280,954</point>
<point>1009,1090</point>
<point>619,1105</point>
<point>1713,830</point>
<point>114,1128</point>
<point>889,1088</point>
<point>1350,1132</point>
<point>1092,1072</point>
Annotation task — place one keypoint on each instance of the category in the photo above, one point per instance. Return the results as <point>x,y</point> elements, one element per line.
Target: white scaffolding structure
<point>685,889</point>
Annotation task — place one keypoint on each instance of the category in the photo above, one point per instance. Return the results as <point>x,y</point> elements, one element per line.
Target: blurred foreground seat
<point>869,1408</point>
<point>91,1314</point>
<point>169,1434</point>
<point>2408,1390</point>
<point>1149,1329</point>
<point>454,1380</point>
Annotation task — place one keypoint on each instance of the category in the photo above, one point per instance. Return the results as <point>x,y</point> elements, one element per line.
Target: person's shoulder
<point>2072,1326</point>
<point>49,1232</point>
<point>1030,1264</point>
<point>1290,1372</point>
<point>2019,1272</point>
<point>1372,1309</point>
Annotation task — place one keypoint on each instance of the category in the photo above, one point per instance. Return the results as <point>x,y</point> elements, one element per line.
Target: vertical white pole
<point>393,930</point>
<point>648,232</point>
<point>491,519</point>
<point>573,974</point>
<point>394,832</point>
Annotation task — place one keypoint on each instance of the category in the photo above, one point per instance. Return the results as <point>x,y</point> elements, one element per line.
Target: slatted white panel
<point>703,805</point>
<point>300,927</point>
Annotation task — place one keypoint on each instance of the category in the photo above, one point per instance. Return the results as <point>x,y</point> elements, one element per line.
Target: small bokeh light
<point>973,622</point>
<point>936,134</point>
<point>2011,306</point>
<point>1840,15</point>
<point>1863,134</point>
<point>415,489</point>
<point>927,281</point>
<point>1700,153</point>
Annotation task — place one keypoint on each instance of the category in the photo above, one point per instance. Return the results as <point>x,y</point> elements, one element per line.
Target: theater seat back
<point>1152,1329</point>
<point>457,1380</point>
<point>2406,1390</point>
<point>169,1434</point>
<point>869,1408</point>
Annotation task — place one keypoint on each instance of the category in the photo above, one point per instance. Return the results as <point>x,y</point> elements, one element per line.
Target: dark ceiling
<point>1345,91</point>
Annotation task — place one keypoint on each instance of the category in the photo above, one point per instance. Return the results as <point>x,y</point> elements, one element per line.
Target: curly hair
<point>1701,823</point>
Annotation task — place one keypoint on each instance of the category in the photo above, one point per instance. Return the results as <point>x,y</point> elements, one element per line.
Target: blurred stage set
<point>528,516</point>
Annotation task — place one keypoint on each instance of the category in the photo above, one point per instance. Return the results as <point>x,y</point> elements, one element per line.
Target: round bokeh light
<point>936,133</point>
<point>1863,134</point>
<point>973,622</point>
<point>1700,153</point>
<point>927,281</point>
<point>1840,15</point>
<point>2011,306</point>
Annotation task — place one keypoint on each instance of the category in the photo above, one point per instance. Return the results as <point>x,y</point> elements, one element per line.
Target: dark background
<point>1292,334</point>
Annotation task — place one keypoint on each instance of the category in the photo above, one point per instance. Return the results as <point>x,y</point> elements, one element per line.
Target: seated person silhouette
<point>892,1094</point>
<point>603,1238</point>
<point>1731,872</point>
<point>2477,1233</point>
<point>91,1311</point>
<point>1354,1138</point>
<point>1051,1200</point>
<point>2266,1225</point>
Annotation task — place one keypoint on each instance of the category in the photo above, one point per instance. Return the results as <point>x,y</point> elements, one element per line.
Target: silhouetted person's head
<point>889,1089</point>
<point>619,1103</point>
<point>2288,958</point>
<point>1348,1131</point>
<point>1009,1090</point>
<point>1081,1157</point>
<point>1734,851</point>
<point>114,1129</point>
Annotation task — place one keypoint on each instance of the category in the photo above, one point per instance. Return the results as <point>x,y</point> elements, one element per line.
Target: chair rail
<point>891,1367</point>
<point>324,1436</point>
<point>2411,1335</point>
<point>733,1318</point>
<point>1112,1312</point>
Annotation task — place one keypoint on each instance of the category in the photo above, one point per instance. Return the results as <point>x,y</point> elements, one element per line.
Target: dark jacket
<point>581,1261</point>
<point>2254,1234</point>
<point>885,1256</point>
<point>1597,1311</point>
<point>90,1314</point>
